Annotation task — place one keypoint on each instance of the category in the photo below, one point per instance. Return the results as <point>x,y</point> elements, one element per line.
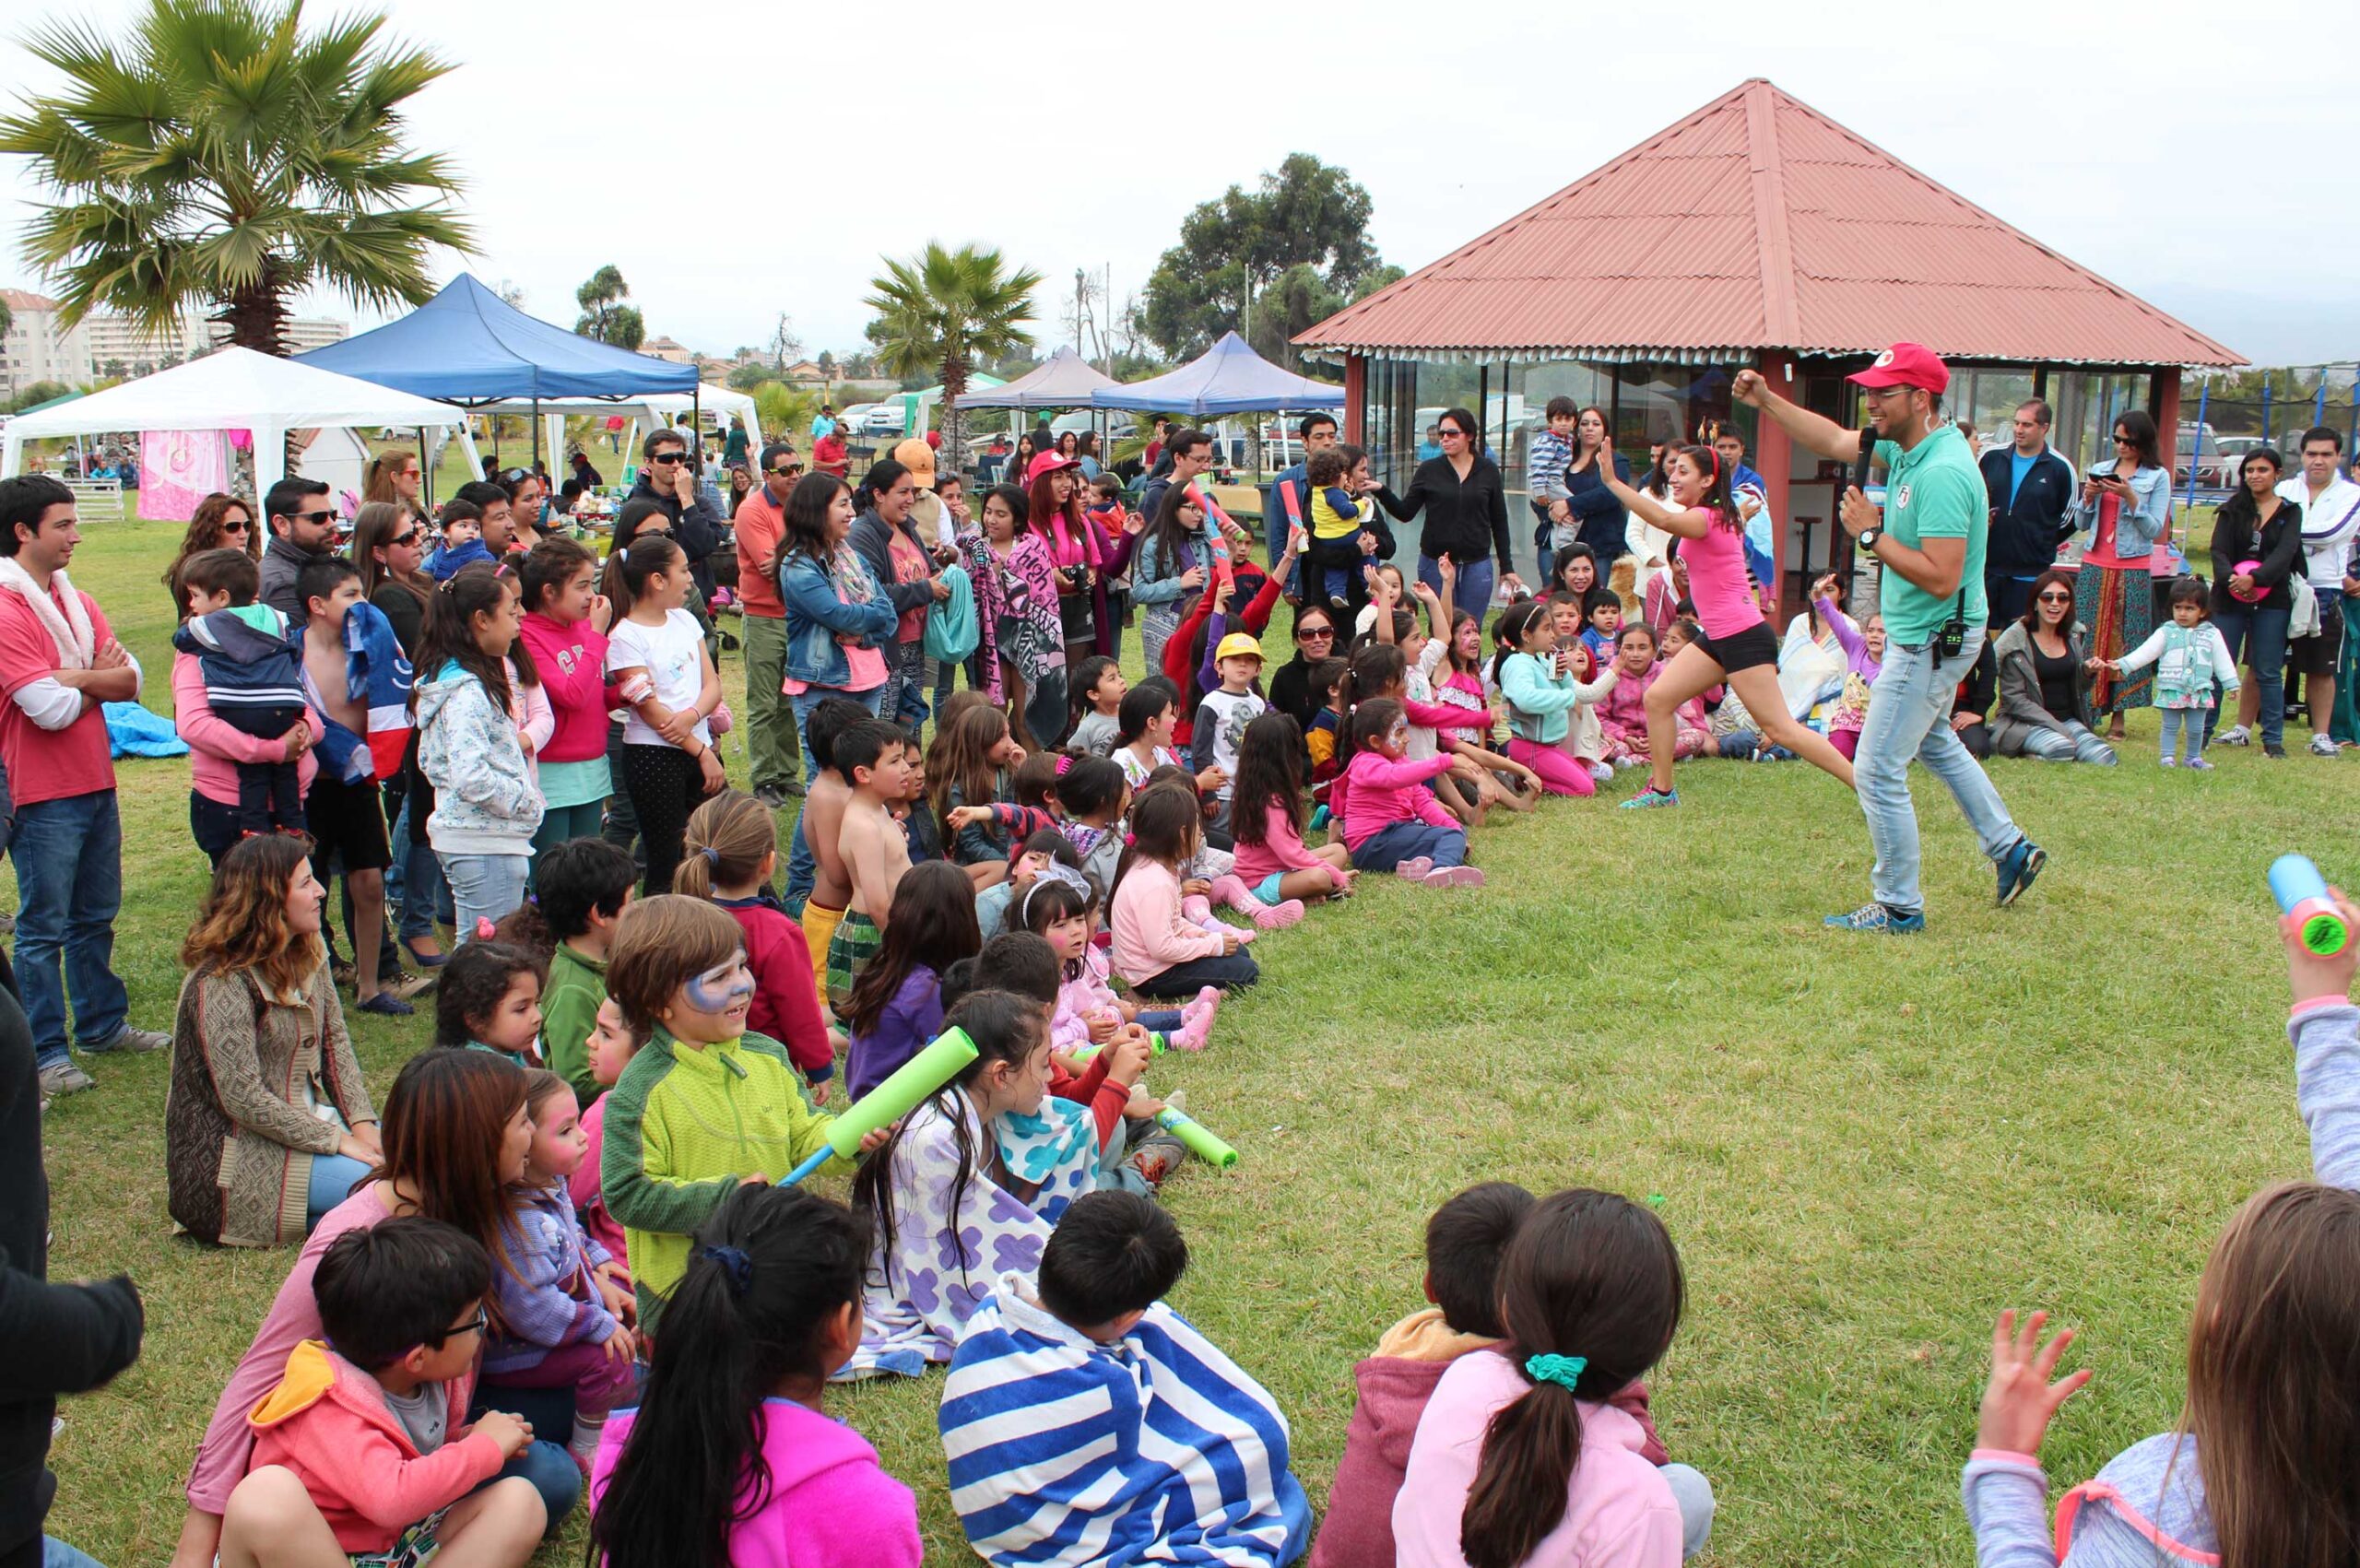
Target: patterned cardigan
<point>239,1137</point>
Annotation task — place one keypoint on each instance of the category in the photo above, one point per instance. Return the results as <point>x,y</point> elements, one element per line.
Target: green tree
<point>216,153</point>
<point>941,312</point>
<point>34,395</point>
<point>826,363</point>
<point>606,315</point>
<point>1306,215</point>
<point>746,378</point>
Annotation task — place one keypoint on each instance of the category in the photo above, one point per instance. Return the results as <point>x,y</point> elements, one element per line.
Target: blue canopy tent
<point>469,347</point>
<point>1228,378</point>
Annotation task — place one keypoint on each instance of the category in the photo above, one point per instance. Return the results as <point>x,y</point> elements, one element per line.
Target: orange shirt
<point>761,525</point>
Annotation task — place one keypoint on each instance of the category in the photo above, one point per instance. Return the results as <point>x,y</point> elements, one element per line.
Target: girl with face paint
<point>706,1104</point>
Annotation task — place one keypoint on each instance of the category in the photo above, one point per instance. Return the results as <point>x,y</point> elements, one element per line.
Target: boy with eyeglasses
<point>364,1426</point>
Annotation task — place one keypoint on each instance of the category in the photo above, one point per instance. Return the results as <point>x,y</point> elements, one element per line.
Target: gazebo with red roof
<point>1755,231</point>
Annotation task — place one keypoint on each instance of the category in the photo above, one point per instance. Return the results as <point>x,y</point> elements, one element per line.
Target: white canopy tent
<point>235,389</point>
<point>660,408</point>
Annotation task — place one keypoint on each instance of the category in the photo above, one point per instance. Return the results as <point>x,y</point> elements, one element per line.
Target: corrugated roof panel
<point>1658,249</point>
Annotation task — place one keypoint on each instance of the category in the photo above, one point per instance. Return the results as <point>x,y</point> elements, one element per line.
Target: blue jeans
<point>2265,655</point>
<point>1473,593</point>
<point>544,1462</point>
<point>69,882</point>
<point>1694,1495</point>
<point>415,880</point>
<point>803,701</point>
<point>1164,1020</point>
<point>56,1553</point>
<point>333,1178</point>
<point>2070,740</point>
<point>561,824</point>
<point>1183,981</point>
<point>1389,847</point>
<point>1909,712</point>
<point>2192,721</point>
<point>484,886</point>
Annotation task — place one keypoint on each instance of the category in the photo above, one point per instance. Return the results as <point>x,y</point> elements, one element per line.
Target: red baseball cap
<point>1906,364</point>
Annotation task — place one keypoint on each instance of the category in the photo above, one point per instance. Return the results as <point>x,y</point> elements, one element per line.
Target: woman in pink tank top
<point>1737,645</point>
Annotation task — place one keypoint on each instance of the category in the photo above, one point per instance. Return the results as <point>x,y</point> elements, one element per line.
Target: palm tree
<point>941,312</point>
<point>218,155</point>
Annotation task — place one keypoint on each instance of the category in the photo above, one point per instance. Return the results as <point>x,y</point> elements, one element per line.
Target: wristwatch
<point>1868,538</point>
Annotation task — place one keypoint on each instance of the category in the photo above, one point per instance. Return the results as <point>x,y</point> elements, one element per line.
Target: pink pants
<point>599,1381</point>
<point>1847,741</point>
<point>1560,773</point>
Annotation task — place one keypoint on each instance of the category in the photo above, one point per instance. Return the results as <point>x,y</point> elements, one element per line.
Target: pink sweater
<point>1378,794</point>
<point>831,1504</point>
<point>1624,711</point>
<point>572,659</point>
<point>1282,849</point>
<point>1079,997</point>
<point>1150,934</point>
<point>215,749</point>
<point>1619,1511</point>
<point>293,1317</point>
<point>583,1187</point>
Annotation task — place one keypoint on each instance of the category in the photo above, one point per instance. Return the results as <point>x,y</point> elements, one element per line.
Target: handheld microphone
<point>1860,464</point>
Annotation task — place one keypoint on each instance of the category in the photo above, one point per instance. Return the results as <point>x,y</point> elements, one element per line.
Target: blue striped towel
<point>1156,1448</point>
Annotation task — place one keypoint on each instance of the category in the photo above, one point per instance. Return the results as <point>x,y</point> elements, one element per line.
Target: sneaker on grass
<point>1875,917</point>
<point>2236,735</point>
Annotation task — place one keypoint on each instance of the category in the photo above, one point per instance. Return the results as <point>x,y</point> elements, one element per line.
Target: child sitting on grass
<point>895,1008</point>
<point>732,847</point>
<point>1159,951</point>
<point>1465,1240</point>
<point>367,1428</point>
<point>1061,908</point>
<point>2259,1469</point>
<point>704,1105</point>
<point>1269,817</point>
<point>768,1309</point>
<point>1521,1456</point>
<point>968,1185</point>
<point>1040,847</point>
<point>560,1319</point>
<point>1544,697</point>
<point>1097,693</point>
<point>489,999</point>
<point>582,887</point>
<point>1389,819</point>
<point>612,1044</point>
<point>1159,1442</point>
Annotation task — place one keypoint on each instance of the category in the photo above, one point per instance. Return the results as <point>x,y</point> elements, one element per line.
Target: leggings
<point>2192,721</point>
<point>664,785</point>
<point>599,1381</point>
<point>1846,741</point>
<point>561,823</point>
<point>1560,774</point>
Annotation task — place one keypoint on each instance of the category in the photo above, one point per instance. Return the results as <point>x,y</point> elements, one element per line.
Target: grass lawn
<point>1865,1148</point>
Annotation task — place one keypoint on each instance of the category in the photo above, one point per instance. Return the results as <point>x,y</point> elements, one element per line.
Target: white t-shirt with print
<point>673,657</point>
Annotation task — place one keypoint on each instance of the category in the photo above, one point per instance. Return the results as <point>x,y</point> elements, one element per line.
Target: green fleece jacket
<point>684,1127</point>
<point>568,1012</point>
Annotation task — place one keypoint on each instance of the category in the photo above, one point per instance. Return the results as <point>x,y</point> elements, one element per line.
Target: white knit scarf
<point>77,645</point>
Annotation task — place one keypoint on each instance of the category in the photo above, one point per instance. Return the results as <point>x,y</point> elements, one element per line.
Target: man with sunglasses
<point>1931,541</point>
<point>770,727</point>
<point>668,475</point>
<point>303,529</point>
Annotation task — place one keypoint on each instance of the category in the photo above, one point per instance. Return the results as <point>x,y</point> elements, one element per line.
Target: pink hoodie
<point>1077,998</point>
<point>1150,934</point>
<point>831,1504</point>
<point>1378,794</point>
<point>1619,1509</point>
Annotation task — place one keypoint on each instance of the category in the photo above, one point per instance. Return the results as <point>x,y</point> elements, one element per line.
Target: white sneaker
<point>1601,772</point>
<point>2170,763</point>
<point>2322,747</point>
<point>2236,735</point>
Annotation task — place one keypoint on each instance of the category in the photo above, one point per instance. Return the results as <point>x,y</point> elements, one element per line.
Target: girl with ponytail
<point>731,1456</point>
<point>728,855</point>
<point>1519,1457</point>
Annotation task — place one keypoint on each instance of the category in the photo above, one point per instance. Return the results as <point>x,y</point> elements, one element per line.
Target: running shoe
<point>1650,797</point>
<point>2322,747</point>
<point>1875,917</point>
<point>2018,867</point>
<point>2199,764</point>
<point>2169,762</point>
<point>2236,735</point>
<point>2275,753</point>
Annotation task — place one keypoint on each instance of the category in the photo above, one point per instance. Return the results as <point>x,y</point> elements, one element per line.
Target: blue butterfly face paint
<point>722,988</point>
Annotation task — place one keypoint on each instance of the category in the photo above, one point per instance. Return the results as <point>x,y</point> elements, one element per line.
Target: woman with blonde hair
<point>222,521</point>
<point>268,1124</point>
<point>395,475</point>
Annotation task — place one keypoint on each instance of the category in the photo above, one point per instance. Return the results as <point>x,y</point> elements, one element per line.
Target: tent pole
<point>425,469</point>
<point>536,431</point>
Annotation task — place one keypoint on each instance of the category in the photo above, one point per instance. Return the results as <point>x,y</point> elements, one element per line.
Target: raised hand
<point>2020,1400</point>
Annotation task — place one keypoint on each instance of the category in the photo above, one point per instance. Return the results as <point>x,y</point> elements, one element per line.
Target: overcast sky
<point>756,158</point>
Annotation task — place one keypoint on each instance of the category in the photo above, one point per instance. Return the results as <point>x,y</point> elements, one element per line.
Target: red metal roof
<point>1754,223</point>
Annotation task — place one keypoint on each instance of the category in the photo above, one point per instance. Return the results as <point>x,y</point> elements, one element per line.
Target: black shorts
<point>2317,655</point>
<point>1743,650</point>
<point>347,821</point>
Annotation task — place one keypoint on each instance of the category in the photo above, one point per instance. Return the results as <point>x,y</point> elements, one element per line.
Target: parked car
<point>885,419</point>
<point>1080,419</point>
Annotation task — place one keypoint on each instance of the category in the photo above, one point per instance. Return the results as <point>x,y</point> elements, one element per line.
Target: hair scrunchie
<point>734,1263</point>
<point>1563,1371</point>
<point>484,928</point>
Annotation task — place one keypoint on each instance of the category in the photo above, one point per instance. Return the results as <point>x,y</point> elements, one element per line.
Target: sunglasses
<point>1306,633</point>
<point>476,1324</point>
<point>1448,433</point>
<point>324,516</point>
<point>240,526</point>
<point>2057,598</point>
<point>788,472</point>
<point>515,476</point>
<point>413,536</point>
<point>670,457</point>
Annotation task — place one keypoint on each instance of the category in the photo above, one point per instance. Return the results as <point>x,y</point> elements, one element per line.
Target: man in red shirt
<point>770,727</point>
<point>830,456</point>
<point>59,663</point>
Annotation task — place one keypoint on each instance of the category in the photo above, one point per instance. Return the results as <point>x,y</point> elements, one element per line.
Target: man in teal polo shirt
<point>1930,542</point>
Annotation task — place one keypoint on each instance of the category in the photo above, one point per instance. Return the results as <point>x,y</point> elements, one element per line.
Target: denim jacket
<point>1156,582</point>
<point>815,616</point>
<point>2136,527</point>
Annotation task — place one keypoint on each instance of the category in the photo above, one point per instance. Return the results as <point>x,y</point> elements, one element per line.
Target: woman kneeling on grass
<point>268,1124</point>
<point>1737,645</point>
